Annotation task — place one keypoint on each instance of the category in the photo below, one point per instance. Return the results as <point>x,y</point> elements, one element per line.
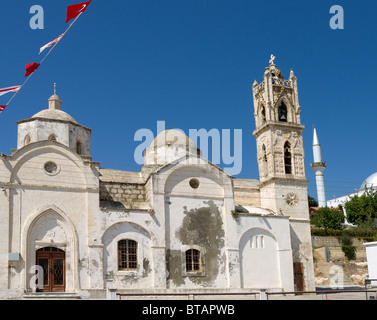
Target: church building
<point>71,228</point>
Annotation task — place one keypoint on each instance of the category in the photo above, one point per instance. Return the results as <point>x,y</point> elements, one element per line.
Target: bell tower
<point>280,149</point>
<point>280,152</point>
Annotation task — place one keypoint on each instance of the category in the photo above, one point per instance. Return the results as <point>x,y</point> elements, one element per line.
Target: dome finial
<point>54,101</point>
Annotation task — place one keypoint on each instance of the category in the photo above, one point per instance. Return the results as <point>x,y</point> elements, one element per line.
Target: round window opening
<point>194,183</point>
<point>51,167</point>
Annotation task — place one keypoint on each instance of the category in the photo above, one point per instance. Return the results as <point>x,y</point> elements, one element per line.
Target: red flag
<point>2,108</point>
<point>30,68</point>
<point>74,10</point>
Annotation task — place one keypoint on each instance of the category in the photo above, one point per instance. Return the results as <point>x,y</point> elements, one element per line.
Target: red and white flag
<point>9,89</point>
<point>2,108</point>
<point>74,10</point>
<point>51,43</point>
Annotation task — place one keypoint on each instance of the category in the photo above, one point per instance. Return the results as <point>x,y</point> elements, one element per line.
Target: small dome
<point>54,114</point>
<point>173,136</point>
<point>168,146</point>
<point>54,111</point>
<point>371,181</point>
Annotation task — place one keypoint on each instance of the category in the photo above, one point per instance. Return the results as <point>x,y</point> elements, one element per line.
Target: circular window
<point>51,167</point>
<point>194,183</point>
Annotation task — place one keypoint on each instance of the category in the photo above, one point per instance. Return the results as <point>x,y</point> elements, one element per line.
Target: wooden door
<point>299,276</point>
<point>52,261</point>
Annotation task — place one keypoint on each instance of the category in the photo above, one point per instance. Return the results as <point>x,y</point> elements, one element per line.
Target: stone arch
<point>27,140</point>
<point>262,114</point>
<point>178,180</point>
<point>51,227</point>
<point>52,137</point>
<point>34,150</point>
<point>259,259</point>
<point>290,112</point>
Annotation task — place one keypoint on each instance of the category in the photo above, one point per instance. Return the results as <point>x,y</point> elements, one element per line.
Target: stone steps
<point>51,296</point>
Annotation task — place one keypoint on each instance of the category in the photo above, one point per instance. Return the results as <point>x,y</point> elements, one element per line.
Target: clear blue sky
<point>127,64</point>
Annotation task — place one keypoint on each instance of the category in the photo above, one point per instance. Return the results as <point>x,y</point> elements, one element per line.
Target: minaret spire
<point>319,167</point>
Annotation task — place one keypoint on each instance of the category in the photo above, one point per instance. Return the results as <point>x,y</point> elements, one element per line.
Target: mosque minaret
<point>319,167</point>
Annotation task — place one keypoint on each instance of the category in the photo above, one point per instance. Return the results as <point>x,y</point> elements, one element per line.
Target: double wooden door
<point>52,261</point>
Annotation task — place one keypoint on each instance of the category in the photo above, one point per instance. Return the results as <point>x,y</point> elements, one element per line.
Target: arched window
<point>265,163</point>
<point>78,147</point>
<point>287,158</point>
<point>127,255</point>
<point>52,137</point>
<point>264,153</point>
<point>263,115</point>
<point>193,260</point>
<point>27,140</point>
<point>283,113</point>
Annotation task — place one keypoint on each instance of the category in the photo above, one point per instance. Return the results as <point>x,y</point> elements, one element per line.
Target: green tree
<point>328,219</point>
<point>312,202</point>
<point>362,210</point>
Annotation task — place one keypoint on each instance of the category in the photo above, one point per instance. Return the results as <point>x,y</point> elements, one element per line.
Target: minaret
<point>319,167</point>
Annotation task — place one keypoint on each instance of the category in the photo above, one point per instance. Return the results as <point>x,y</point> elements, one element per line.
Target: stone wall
<point>328,256</point>
<point>319,241</point>
<point>129,196</point>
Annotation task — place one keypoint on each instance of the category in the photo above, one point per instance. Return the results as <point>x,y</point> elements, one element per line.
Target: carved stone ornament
<point>291,199</point>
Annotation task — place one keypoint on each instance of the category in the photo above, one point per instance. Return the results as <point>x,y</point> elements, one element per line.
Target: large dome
<point>371,181</point>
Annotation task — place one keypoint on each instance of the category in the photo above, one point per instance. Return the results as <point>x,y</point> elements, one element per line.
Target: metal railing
<point>190,296</point>
<point>324,293</point>
<point>262,295</point>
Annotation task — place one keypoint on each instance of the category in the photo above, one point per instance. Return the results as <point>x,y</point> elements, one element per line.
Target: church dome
<point>168,146</point>
<point>54,111</point>
<point>53,114</point>
<point>173,136</point>
<point>371,181</point>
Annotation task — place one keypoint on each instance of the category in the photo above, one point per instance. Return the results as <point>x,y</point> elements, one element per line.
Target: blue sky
<point>127,64</point>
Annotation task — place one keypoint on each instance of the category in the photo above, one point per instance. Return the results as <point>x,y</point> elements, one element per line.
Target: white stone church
<point>181,225</point>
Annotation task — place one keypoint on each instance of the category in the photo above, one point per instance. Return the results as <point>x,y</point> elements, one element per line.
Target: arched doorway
<point>51,236</point>
<point>52,261</point>
<point>259,260</point>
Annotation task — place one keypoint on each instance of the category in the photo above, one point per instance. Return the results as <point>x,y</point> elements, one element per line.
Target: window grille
<point>192,260</point>
<point>127,255</point>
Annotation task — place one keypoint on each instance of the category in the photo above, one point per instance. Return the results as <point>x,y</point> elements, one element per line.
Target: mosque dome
<point>371,181</point>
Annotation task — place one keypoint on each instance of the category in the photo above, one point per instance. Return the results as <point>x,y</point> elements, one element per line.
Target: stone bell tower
<point>280,152</point>
<point>279,143</point>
